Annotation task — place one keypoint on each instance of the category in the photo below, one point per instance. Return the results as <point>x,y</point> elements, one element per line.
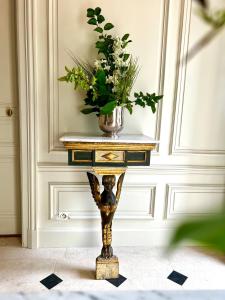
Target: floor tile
<point>51,281</point>
<point>177,277</point>
<point>117,281</point>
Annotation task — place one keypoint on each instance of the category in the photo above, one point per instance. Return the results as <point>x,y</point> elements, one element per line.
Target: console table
<point>107,157</point>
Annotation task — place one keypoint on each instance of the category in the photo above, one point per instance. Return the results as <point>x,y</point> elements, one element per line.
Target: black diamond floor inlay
<point>51,281</point>
<point>177,277</point>
<point>117,281</point>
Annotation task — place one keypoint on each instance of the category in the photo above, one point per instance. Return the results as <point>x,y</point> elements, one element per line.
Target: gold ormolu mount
<point>107,265</point>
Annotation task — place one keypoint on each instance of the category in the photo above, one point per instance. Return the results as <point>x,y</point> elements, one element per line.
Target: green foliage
<point>92,21</point>
<point>126,43</point>
<point>98,29</point>
<point>97,11</point>
<point>124,86</point>
<point>125,37</point>
<point>108,108</point>
<point>216,19</point>
<point>100,19</point>
<point>109,83</point>
<point>108,26</point>
<point>147,99</point>
<point>208,231</point>
<point>90,13</point>
<point>78,77</point>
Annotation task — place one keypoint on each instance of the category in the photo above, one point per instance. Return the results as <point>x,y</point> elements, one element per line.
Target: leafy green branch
<point>147,100</point>
<point>78,77</point>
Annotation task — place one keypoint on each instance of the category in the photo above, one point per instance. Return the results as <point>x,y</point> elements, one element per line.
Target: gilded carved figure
<point>107,203</point>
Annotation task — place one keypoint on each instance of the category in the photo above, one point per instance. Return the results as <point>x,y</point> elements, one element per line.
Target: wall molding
<point>53,97</point>
<point>183,45</point>
<point>56,214</point>
<point>162,65</point>
<point>53,109</point>
<point>172,190</point>
<point>27,83</point>
<point>151,170</point>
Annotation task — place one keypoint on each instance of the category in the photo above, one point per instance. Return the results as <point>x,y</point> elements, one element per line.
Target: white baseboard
<point>63,238</point>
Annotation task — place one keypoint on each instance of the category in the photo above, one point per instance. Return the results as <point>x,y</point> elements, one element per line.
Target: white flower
<point>117,43</point>
<point>109,79</point>
<point>117,61</point>
<point>97,64</point>
<point>107,68</point>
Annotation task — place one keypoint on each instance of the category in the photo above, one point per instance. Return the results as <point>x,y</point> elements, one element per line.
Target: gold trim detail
<point>138,161</point>
<point>108,146</point>
<point>79,160</point>
<point>108,171</point>
<point>109,156</point>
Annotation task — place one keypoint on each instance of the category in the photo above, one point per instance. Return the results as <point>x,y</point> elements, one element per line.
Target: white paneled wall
<point>187,173</point>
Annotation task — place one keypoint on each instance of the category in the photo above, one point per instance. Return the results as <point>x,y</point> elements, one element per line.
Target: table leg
<point>107,264</point>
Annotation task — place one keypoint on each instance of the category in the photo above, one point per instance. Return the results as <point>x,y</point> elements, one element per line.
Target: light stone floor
<point>146,268</point>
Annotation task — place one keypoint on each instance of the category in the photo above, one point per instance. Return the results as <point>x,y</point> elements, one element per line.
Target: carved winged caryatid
<point>107,203</point>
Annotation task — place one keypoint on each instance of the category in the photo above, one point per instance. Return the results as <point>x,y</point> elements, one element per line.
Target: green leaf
<point>126,43</point>
<point>100,76</point>
<point>97,11</point>
<point>208,231</point>
<point>126,56</point>
<point>64,78</point>
<point>87,111</point>
<point>157,98</point>
<point>100,19</point>
<point>99,44</point>
<point>92,21</point>
<point>98,29</point>
<point>153,108</point>
<point>108,26</point>
<point>140,102</point>
<point>108,108</point>
<point>90,12</point>
<point>125,37</point>
<point>129,107</point>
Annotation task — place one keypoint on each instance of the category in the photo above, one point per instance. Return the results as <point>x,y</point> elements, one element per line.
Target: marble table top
<point>123,138</point>
<point>120,295</point>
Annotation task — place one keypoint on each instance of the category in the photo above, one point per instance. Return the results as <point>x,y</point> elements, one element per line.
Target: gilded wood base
<point>107,268</point>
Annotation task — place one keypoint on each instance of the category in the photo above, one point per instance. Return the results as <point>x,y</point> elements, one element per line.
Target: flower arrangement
<point>109,81</point>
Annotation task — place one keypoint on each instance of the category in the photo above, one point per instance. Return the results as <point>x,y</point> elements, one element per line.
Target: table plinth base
<point>107,268</point>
